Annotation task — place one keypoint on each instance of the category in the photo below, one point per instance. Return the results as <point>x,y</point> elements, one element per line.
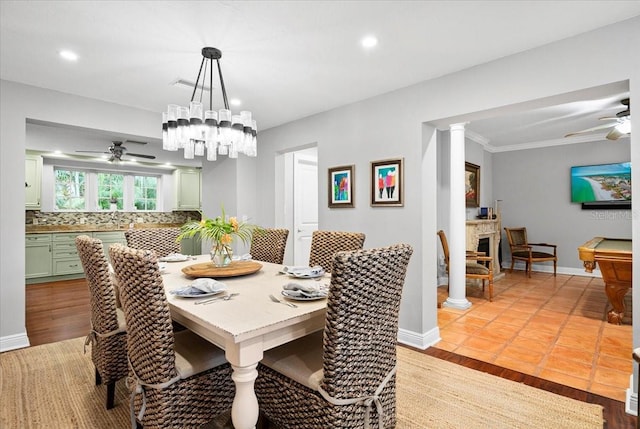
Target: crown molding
<point>547,143</point>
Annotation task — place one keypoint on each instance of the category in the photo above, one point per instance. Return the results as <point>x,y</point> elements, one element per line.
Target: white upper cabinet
<point>188,185</point>
<point>33,181</point>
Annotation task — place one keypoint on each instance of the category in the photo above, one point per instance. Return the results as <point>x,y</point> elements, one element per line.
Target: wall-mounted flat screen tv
<point>602,183</point>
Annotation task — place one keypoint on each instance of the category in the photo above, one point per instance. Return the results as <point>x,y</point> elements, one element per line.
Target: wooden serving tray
<point>236,268</point>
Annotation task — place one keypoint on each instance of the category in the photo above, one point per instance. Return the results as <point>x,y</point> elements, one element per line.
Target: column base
<point>460,304</point>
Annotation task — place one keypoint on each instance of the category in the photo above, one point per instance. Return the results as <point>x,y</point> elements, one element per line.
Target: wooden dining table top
<point>250,313</point>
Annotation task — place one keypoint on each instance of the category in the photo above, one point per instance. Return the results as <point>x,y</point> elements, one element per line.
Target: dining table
<point>248,323</point>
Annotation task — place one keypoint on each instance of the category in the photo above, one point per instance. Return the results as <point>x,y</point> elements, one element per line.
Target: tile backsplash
<point>123,218</point>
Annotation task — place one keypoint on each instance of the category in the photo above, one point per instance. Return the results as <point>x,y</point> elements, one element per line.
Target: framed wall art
<point>387,183</point>
<point>341,186</point>
<point>472,184</point>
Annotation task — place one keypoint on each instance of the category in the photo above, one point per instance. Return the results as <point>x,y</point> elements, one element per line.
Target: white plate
<point>181,294</point>
<point>306,274</point>
<point>174,258</point>
<point>287,269</point>
<point>303,298</point>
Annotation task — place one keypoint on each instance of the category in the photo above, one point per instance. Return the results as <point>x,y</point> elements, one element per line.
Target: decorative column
<point>457,222</point>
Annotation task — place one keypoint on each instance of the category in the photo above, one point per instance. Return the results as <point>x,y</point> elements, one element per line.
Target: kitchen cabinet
<point>188,188</point>
<point>38,255</point>
<point>65,258</point>
<point>108,238</point>
<point>191,246</point>
<point>33,181</point>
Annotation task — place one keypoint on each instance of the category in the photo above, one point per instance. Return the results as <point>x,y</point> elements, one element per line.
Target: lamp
<point>219,132</point>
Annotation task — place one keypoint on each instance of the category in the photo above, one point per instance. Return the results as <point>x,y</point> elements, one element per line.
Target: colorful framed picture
<point>472,184</point>
<point>387,183</point>
<point>341,186</point>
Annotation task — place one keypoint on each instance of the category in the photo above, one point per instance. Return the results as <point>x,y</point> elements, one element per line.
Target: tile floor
<point>552,328</point>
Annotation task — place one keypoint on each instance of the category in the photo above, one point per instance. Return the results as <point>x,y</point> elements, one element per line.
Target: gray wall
<point>388,126</point>
<point>535,188</point>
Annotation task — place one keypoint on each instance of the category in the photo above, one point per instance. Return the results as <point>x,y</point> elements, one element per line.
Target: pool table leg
<point>616,292</point>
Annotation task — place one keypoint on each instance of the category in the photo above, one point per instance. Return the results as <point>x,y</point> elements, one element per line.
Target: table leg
<point>616,292</point>
<point>244,411</point>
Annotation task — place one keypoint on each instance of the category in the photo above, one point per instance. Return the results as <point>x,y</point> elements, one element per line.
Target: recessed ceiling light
<point>369,42</point>
<point>69,55</point>
<point>235,102</point>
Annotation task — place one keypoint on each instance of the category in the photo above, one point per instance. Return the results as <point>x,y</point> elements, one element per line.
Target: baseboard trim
<point>12,342</point>
<point>417,340</point>
<point>631,402</point>
<point>569,271</point>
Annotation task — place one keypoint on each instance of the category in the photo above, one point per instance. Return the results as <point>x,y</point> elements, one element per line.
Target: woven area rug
<point>51,386</point>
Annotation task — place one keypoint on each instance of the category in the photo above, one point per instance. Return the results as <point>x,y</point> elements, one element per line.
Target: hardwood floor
<point>60,310</point>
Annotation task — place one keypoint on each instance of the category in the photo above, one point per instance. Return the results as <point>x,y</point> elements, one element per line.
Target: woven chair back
<point>160,240</point>
<point>517,236</point>
<point>361,328</point>
<point>109,352</point>
<point>150,334</point>
<point>325,244</point>
<point>269,244</point>
<point>102,295</point>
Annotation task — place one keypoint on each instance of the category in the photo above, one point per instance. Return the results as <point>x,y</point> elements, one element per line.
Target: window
<point>110,191</point>
<point>70,189</point>
<point>91,190</point>
<point>145,190</point>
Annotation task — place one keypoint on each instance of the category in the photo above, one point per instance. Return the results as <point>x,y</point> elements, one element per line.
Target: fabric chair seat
<point>194,354</point>
<point>122,322</point>
<point>300,360</point>
<point>475,268</point>
<point>534,254</point>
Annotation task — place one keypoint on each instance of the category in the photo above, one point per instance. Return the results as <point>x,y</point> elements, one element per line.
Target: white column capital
<point>458,127</point>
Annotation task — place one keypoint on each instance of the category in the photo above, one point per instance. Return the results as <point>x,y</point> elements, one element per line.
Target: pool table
<point>613,256</point>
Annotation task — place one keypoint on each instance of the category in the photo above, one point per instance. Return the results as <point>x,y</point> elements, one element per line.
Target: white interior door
<point>305,205</point>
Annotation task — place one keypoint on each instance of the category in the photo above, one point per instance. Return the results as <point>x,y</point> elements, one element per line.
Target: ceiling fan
<point>116,150</point>
<point>621,127</point>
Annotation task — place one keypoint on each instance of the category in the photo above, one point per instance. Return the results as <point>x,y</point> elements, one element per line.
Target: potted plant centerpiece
<point>221,231</point>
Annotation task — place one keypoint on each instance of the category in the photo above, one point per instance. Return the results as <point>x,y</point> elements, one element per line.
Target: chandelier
<point>195,130</point>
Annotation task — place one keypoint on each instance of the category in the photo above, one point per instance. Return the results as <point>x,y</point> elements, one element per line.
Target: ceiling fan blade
<point>590,130</point>
<point>135,141</point>
<point>141,155</point>
<point>92,151</point>
<point>615,134</point>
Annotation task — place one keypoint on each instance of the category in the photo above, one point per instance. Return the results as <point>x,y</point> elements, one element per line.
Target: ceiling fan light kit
<point>620,128</point>
<point>116,150</point>
<point>194,129</point>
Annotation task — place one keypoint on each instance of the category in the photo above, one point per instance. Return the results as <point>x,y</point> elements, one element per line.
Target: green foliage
<point>221,231</point>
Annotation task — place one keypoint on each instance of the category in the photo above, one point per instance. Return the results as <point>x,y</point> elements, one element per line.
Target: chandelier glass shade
<point>198,131</point>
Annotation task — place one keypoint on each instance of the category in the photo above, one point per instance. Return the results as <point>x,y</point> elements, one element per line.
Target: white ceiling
<point>289,59</point>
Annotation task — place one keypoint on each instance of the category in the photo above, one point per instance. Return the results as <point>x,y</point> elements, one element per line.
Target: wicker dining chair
<point>160,240</point>
<point>342,377</point>
<point>108,335</point>
<point>176,379</point>
<point>324,244</point>
<point>269,244</point>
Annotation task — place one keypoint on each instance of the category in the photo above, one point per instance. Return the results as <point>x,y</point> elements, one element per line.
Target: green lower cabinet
<point>38,256</point>
<point>191,246</point>
<point>109,238</point>
<point>51,257</point>
<point>65,259</point>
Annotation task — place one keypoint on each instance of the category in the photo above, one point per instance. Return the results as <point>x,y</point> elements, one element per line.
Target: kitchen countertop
<point>43,229</point>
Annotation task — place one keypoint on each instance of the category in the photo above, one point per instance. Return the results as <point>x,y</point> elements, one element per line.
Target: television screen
<point>600,183</point>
